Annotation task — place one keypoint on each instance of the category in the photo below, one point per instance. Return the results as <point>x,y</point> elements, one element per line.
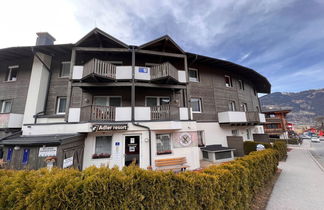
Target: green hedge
<point>228,186</point>
<point>279,145</point>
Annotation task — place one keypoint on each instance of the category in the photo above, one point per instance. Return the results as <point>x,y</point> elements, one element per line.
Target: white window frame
<point>193,79</point>
<point>246,107</point>
<point>158,99</point>
<point>199,103</point>
<point>230,81</point>
<point>95,144</point>
<point>163,134</point>
<point>62,63</point>
<point>10,72</point>
<point>108,99</point>
<point>203,139</point>
<point>248,134</point>
<point>235,132</point>
<point>58,105</point>
<point>241,84</point>
<point>233,106</point>
<point>3,102</point>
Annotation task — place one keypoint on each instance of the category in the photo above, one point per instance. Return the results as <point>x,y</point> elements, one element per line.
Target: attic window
<point>12,73</point>
<point>228,81</point>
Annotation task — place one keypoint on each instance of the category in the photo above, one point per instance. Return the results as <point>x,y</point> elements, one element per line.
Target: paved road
<point>317,150</point>
<point>301,183</point>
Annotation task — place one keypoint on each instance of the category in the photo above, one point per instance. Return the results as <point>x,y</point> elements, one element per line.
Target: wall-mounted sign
<point>185,139</point>
<point>109,127</point>
<point>142,70</point>
<point>47,151</point>
<point>68,162</point>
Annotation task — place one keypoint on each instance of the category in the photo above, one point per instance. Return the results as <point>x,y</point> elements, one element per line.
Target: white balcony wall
<point>183,113</point>
<point>77,72</point>
<point>123,72</point>
<point>74,114</point>
<point>182,76</point>
<point>142,73</point>
<point>11,120</point>
<point>142,113</point>
<point>230,116</point>
<point>262,118</point>
<point>123,114</point>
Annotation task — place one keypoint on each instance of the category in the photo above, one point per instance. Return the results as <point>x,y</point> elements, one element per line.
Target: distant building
<point>276,125</point>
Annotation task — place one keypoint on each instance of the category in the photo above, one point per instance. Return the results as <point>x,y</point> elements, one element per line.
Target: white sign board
<point>68,162</point>
<point>47,151</point>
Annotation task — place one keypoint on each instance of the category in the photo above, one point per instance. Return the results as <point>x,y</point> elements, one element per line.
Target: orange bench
<point>171,164</point>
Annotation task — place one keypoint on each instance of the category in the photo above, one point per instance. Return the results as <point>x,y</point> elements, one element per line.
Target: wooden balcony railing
<point>164,70</point>
<point>101,68</point>
<point>252,116</point>
<point>98,113</point>
<point>164,112</point>
<point>274,120</point>
<point>273,130</point>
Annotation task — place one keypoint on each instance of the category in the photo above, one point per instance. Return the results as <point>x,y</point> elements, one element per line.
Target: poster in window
<point>25,156</point>
<point>9,154</point>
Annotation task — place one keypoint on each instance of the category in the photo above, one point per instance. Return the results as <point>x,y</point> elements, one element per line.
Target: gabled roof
<point>99,38</point>
<point>163,44</point>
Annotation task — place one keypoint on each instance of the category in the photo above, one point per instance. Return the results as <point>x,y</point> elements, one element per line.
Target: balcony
<point>164,73</point>
<point>98,113</point>
<point>240,118</point>
<point>274,120</point>
<point>273,131</point>
<point>11,120</point>
<point>96,71</point>
<point>103,71</point>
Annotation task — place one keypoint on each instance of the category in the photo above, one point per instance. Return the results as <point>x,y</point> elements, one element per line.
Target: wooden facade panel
<point>58,85</point>
<point>16,90</point>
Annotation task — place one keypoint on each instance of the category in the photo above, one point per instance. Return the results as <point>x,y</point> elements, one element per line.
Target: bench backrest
<point>170,161</point>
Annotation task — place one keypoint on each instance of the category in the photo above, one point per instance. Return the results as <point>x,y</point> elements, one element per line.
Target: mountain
<point>305,105</point>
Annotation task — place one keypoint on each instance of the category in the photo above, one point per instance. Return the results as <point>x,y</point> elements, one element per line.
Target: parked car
<point>315,139</point>
<point>305,137</point>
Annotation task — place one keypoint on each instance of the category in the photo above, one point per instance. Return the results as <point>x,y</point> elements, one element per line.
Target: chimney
<point>44,38</point>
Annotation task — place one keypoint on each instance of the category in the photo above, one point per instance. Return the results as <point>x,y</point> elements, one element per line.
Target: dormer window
<point>12,73</point>
<point>228,81</point>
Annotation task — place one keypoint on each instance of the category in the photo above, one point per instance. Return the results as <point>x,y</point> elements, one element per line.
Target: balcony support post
<point>69,89</point>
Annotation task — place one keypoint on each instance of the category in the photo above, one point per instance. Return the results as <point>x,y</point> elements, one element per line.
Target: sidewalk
<point>301,183</point>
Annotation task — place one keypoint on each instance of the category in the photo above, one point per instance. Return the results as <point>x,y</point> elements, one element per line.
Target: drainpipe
<point>48,84</point>
<point>133,108</point>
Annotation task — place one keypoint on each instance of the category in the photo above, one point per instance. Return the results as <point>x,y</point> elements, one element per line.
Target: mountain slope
<point>305,105</point>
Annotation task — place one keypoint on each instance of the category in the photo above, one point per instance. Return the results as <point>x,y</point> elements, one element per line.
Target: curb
<point>316,161</point>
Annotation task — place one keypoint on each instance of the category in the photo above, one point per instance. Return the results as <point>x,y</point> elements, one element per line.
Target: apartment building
<point>105,103</point>
<point>276,125</point>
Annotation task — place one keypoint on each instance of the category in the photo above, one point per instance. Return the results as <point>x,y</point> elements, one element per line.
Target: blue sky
<point>283,40</point>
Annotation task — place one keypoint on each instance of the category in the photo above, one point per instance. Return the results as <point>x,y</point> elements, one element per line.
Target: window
<point>228,81</point>
<point>200,138</point>
<point>9,153</point>
<point>61,105</point>
<point>65,69</point>
<point>241,84</point>
<point>231,106</point>
<point>163,144</point>
<point>244,107</point>
<point>248,135</point>
<point>12,73</point>
<point>157,101</point>
<point>25,156</point>
<point>108,101</point>
<point>234,132</point>
<point>255,92</point>
<point>193,75</point>
<point>5,106</point>
<point>196,105</point>
<point>103,146</point>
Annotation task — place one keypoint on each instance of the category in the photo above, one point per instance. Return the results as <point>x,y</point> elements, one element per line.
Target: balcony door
<point>157,101</point>
<point>107,101</point>
<point>132,150</point>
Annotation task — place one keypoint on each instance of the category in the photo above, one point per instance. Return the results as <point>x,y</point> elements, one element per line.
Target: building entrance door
<point>132,150</point>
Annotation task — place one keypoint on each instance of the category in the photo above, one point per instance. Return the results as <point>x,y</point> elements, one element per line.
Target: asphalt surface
<point>317,150</point>
<point>301,182</point>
